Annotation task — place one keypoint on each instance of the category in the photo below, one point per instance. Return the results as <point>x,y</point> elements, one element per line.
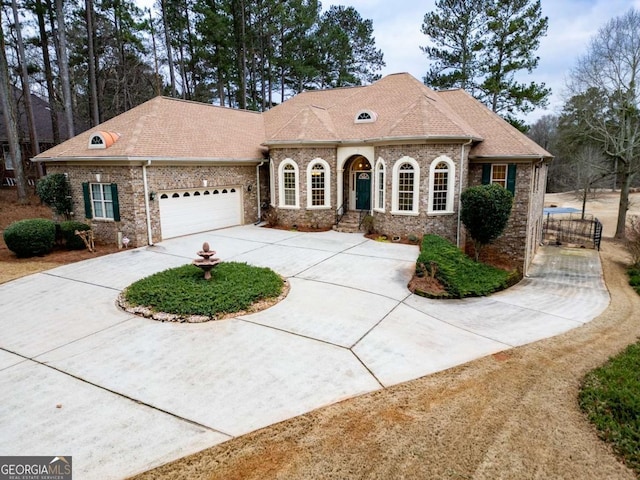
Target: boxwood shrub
<point>30,237</point>
<point>69,238</point>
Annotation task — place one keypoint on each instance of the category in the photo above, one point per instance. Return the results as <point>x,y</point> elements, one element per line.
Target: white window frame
<point>281,197</point>
<point>502,183</point>
<point>102,201</point>
<point>378,187</point>
<point>396,187</point>
<point>327,184</point>
<point>451,176</point>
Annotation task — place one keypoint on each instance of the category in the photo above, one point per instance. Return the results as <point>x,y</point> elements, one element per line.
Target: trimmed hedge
<point>459,274</point>
<point>70,239</point>
<point>30,237</point>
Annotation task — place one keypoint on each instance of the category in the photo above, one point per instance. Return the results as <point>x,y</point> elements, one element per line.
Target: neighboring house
<point>42,118</point>
<point>394,149</point>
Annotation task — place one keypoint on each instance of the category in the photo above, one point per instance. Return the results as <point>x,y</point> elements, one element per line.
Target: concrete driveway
<point>122,394</point>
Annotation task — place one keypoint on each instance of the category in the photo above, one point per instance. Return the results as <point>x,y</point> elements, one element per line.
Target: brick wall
<point>386,223</point>
<point>510,249</point>
<point>303,216</point>
<point>133,221</point>
<point>444,225</point>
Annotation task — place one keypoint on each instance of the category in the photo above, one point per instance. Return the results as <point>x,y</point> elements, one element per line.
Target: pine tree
<point>514,30</point>
<point>455,29</point>
<point>481,45</point>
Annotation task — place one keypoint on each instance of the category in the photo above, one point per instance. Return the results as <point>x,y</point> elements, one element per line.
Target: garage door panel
<point>186,214</point>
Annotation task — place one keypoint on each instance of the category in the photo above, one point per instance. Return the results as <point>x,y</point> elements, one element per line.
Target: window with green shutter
<point>501,174</point>
<point>101,201</point>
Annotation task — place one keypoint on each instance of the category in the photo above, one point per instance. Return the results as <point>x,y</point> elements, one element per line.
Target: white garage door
<point>191,211</point>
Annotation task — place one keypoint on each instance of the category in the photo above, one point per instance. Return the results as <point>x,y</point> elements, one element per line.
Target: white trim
<point>416,187</point>
<point>376,185</point>
<point>451,175</point>
<point>327,184</point>
<point>281,202</point>
<point>103,187</point>
<point>506,174</point>
<point>101,144</point>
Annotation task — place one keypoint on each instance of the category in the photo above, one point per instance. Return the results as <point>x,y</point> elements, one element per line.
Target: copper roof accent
<point>501,139</point>
<point>167,128</point>
<point>108,138</point>
<point>405,109</point>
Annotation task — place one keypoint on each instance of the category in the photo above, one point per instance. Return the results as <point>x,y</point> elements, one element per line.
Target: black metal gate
<point>573,229</point>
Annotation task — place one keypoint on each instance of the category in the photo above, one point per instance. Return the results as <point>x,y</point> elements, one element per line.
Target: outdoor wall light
<point>249,187</point>
<point>152,196</point>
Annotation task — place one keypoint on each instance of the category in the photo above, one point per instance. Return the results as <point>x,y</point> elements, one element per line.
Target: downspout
<point>146,201</point>
<point>258,192</point>
<point>460,190</point>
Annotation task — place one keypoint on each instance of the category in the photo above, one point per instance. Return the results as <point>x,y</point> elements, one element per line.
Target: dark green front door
<point>363,191</point>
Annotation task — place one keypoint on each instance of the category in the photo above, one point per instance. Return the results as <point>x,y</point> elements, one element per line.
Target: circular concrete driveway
<point>122,394</point>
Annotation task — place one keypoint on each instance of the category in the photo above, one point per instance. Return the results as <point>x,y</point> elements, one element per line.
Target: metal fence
<point>572,229</point>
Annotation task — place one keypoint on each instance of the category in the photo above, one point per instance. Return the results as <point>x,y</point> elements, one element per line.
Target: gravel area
<point>513,415</point>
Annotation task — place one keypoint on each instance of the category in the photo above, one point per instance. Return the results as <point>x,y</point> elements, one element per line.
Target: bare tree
<point>11,122</point>
<point>24,77</point>
<point>611,67</point>
<point>91,61</point>
<point>63,64</point>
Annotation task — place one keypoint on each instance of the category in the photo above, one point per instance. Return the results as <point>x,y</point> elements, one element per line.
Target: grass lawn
<point>610,397</point>
<point>184,291</point>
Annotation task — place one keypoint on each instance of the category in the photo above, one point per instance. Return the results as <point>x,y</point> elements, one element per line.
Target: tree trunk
<point>626,177</point>
<point>93,84</point>
<point>10,120</point>
<point>63,63</point>
<point>44,44</point>
<point>26,89</point>
<point>167,41</point>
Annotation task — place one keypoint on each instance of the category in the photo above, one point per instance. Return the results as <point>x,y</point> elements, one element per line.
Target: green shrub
<point>459,274</point>
<point>55,191</point>
<point>485,213</point>
<point>27,238</point>
<point>610,396</point>
<point>69,238</point>
<point>184,291</point>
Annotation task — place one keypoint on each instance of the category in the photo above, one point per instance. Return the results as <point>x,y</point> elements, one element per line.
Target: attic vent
<point>365,116</point>
<point>103,139</point>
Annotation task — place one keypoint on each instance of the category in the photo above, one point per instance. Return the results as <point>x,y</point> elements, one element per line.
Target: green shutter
<point>511,178</point>
<point>88,210</point>
<point>486,174</point>
<point>116,203</point>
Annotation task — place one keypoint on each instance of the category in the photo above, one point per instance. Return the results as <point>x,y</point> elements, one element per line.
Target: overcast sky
<point>397,23</point>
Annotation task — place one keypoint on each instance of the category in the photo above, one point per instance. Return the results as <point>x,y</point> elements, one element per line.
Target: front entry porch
<point>356,194</point>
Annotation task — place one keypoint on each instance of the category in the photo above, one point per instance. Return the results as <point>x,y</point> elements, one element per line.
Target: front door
<point>363,191</point>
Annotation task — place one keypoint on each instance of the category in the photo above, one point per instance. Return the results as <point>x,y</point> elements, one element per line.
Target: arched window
<point>318,184</point>
<point>288,182</point>
<point>441,182</point>
<point>379,185</point>
<point>406,181</point>
<point>365,116</point>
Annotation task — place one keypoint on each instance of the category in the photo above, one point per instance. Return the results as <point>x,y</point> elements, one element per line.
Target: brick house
<point>395,149</point>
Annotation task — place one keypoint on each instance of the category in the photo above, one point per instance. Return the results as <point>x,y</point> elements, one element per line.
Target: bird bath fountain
<point>206,263</point>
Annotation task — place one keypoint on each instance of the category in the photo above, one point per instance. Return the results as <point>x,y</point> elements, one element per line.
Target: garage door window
<point>101,201</point>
